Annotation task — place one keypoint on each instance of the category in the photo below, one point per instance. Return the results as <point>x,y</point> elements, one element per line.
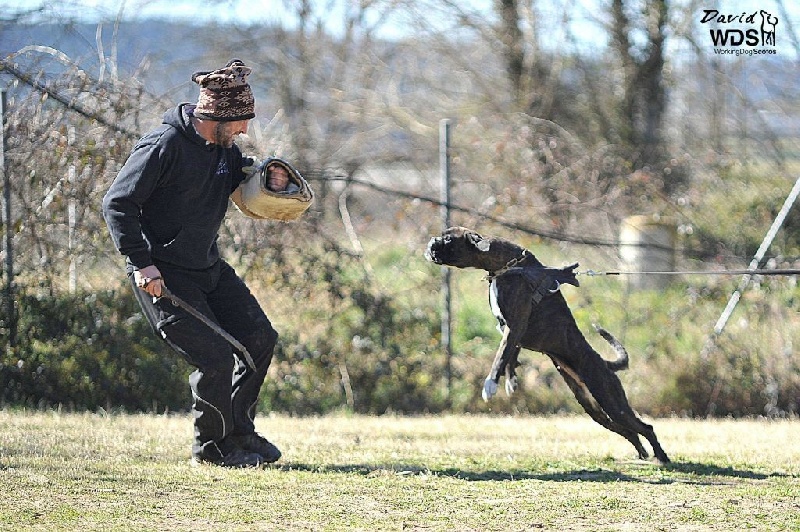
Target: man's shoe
<point>236,458</point>
<point>255,443</point>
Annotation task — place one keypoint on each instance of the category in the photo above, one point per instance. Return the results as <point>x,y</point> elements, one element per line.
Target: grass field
<point>131,472</point>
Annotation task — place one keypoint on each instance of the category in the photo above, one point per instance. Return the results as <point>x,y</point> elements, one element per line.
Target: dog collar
<point>510,264</point>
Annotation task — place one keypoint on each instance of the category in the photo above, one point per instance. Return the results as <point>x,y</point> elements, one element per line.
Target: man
<point>163,211</point>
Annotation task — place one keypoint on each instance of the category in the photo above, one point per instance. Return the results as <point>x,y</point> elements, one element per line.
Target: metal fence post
<point>11,318</point>
<point>444,169</point>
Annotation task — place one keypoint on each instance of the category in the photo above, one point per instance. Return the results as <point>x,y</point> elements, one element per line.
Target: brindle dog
<point>532,313</point>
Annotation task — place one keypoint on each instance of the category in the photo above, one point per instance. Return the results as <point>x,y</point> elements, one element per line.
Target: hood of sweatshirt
<point>169,199</point>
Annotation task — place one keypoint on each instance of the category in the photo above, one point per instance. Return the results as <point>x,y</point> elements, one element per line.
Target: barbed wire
<point>550,235</point>
<point>327,175</point>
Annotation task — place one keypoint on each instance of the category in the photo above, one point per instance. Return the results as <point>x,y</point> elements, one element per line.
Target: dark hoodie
<point>170,197</point>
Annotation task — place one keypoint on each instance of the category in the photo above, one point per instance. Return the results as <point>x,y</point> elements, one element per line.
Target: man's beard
<point>222,135</point>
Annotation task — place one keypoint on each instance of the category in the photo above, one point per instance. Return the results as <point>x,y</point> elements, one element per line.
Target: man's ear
<point>479,242</point>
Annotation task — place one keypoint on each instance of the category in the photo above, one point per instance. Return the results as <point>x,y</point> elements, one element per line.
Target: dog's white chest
<point>495,306</point>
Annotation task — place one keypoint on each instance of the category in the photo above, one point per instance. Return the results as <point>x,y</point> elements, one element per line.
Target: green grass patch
<point>348,472</point>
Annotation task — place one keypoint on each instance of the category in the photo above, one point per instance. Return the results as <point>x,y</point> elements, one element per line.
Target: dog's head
<point>458,247</point>
<point>464,248</point>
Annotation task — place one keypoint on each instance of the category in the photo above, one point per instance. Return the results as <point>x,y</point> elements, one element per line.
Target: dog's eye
<point>447,239</point>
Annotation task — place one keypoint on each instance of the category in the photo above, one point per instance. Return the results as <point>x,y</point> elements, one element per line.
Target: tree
<point>643,100</point>
<point>78,127</point>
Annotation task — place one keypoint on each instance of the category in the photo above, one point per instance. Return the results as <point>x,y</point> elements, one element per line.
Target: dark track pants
<point>224,390</point>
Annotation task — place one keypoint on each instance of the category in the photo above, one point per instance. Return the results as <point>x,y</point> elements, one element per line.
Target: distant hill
<point>173,50</point>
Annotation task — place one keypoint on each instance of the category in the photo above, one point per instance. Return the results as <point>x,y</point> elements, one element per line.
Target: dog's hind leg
<point>606,388</point>
<point>593,408</point>
<point>650,434</point>
<point>625,415</point>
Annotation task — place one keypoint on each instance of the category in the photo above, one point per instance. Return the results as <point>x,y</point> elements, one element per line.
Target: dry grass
<point>131,472</point>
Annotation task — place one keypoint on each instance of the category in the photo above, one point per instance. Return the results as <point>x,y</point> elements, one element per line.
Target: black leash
<point>178,302</point>
<point>757,271</point>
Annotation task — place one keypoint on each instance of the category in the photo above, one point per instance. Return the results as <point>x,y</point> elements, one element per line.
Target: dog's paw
<point>511,385</point>
<point>489,389</point>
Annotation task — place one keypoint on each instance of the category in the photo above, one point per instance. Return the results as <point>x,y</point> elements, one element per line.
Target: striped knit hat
<point>225,95</point>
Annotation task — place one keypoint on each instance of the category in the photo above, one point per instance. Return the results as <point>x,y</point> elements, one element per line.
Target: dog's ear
<point>478,241</point>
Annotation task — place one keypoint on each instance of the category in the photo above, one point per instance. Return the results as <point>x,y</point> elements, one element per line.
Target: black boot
<point>235,458</point>
<point>255,443</point>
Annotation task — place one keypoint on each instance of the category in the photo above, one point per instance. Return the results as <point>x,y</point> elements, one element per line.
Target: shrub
<point>90,351</point>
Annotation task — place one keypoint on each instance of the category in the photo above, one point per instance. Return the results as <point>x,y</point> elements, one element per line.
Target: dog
<point>532,313</point>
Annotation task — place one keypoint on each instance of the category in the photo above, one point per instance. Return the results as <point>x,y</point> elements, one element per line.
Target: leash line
<point>756,271</point>
<point>178,302</point>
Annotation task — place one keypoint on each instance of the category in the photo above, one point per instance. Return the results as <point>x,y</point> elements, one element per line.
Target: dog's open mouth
<point>432,251</point>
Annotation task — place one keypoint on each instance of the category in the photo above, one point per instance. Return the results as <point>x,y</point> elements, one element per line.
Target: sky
<point>267,12</point>
<point>586,15</point>
<point>256,11</point>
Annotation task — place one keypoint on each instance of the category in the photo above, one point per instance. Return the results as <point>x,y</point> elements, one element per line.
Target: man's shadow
<point>701,473</point>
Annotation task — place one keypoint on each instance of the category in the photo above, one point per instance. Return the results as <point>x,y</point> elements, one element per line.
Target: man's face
<point>226,132</point>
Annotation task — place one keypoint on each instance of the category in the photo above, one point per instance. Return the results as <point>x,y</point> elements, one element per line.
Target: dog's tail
<point>622,361</point>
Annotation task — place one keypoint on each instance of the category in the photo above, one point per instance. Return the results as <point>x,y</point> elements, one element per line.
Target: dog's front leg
<point>506,353</point>
<point>511,304</point>
<point>511,374</point>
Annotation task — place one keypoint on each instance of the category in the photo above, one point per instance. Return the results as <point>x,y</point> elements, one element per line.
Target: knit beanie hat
<point>225,95</point>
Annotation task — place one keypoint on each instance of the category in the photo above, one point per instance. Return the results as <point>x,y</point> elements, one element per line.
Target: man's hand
<point>277,177</point>
<point>149,279</point>
<point>253,168</point>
